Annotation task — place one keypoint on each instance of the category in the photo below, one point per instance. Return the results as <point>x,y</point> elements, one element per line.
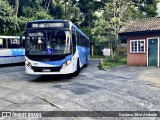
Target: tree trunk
<point>16,7</point>
<point>48,5</point>
<point>92,50</point>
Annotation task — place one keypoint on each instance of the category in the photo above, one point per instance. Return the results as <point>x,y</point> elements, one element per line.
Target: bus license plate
<point>46,70</point>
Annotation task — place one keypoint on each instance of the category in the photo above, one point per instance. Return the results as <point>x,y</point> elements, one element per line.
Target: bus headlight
<point>66,63</point>
<point>28,64</point>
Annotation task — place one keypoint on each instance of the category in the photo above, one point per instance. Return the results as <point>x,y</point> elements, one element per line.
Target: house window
<point>137,46</point>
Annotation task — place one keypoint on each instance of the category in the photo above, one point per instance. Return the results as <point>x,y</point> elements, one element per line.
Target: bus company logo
<point>6,114</point>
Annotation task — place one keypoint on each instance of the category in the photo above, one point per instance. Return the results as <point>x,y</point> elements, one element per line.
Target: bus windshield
<point>48,43</point>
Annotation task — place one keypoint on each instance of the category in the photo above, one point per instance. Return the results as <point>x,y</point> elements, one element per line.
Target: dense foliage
<point>99,19</point>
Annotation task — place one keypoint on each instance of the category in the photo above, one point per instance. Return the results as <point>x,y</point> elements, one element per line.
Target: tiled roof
<point>146,24</point>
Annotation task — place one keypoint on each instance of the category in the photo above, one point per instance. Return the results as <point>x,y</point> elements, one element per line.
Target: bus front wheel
<point>78,68</point>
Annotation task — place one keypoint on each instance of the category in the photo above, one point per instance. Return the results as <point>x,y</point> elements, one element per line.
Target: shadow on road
<point>53,78</point>
<point>56,78</point>
<point>12,65</point>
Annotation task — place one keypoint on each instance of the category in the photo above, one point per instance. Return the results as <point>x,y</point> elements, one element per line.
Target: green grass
<point>111,64</point>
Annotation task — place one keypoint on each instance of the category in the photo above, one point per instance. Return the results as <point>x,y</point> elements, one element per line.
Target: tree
<point>29,10</point>
<point>147,7</point>
<point>114,15</point>
<point>7,18</point>
<point>88,8</point>
<point>56,9</point>
<point>99,35</point>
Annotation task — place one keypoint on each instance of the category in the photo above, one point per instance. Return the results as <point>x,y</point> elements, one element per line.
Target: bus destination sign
<point>39,34</point>
<point>43,25</point>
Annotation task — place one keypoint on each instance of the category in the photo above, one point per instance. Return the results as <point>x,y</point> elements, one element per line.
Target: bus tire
<point>78,68</point>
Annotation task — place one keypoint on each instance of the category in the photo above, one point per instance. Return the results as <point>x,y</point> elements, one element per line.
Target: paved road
<point>120,89</point>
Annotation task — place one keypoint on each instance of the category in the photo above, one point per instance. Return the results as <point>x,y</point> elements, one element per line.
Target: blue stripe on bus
<point>12,56</point>
<point>16,52</point>
<point>58,63</point>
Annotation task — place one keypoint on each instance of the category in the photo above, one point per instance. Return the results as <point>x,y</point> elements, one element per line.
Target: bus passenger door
<point>73,43</point>
<point>75,57</point>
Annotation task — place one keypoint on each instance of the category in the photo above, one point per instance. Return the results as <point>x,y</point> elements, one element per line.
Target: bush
<point>109,63</point>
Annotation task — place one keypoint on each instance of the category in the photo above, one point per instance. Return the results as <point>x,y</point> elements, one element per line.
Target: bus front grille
<point>46,69</point>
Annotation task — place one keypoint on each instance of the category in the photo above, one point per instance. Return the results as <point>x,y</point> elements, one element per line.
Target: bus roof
<point>9,37</point>
<point>54,20</point>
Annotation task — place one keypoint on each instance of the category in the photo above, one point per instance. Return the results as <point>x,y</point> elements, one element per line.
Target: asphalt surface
<point>123,88</point>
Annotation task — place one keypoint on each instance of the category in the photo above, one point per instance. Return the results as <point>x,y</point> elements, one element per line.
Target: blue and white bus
<point>55,47</point>
<point>11,50</point>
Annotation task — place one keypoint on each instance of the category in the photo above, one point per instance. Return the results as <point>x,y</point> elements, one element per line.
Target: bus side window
<point>9,43</point>
<point>83,41</point>
<point>80,39</point>
<point>77,38</point>
<point>5,43</point>
<point>87,43</point>
<point>15,43</point>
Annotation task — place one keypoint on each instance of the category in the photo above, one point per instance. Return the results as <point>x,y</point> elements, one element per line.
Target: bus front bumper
<point>50,70</point>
